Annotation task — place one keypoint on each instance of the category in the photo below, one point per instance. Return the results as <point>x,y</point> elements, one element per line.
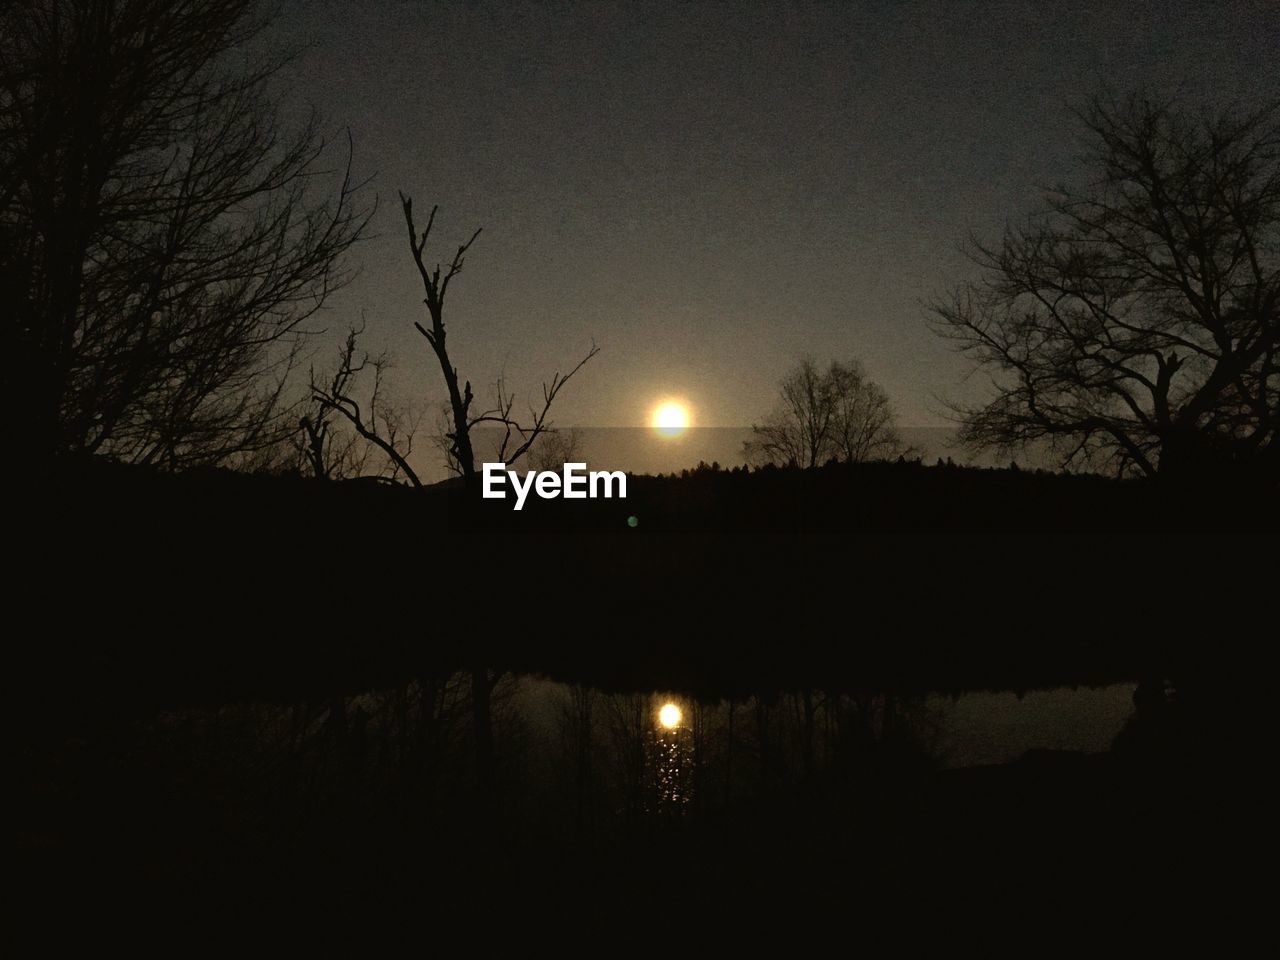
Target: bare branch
<point>455,437</point>
<point>378,424</point>
<point>1135,322</point>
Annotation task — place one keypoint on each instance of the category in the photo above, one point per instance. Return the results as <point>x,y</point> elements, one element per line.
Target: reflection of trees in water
<point>653,769</point>
<point>323,788</point>
<point>758,746</point>
<point>417,741</point>
<point>872,734</point>
<point>576,712</point>
<point>612,757</point>
<point>755,747</point>
<point>404,759</point>
<point>629,725</point>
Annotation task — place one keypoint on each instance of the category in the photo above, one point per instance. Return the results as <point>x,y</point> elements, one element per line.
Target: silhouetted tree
<point>863,423</point>
<point>381,423</point>
<point>837,414</point>
<point>162,235</point>
<point>555,448</point>
<point>518,436</point>
<point>326,445</point>
<point>323,449</point>
<point>1134,322</point>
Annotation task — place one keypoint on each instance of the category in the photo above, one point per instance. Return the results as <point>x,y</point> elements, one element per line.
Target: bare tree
<point>552,448</point>
<point>322,448</point>
<point>863,423</point>
<point>519,436</point>
<point>1133,323</point>
<point>798,430</point>
<point>381,423</point>
<point>555,448</point>
<point>839,414</point>
<point>162,235</point>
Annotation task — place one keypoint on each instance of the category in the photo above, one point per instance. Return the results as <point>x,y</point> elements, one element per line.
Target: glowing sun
<point>670,418</point>
<point>669,716</point>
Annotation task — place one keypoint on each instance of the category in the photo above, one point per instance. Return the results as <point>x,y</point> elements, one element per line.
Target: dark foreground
<point>258,690</point>
<point>377,801</point>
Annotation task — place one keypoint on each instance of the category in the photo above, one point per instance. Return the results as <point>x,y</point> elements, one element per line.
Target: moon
<point>670,418</point>
<point>669,716</point>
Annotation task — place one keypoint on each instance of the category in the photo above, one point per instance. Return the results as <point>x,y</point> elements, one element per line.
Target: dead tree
<point>322,448</point>
<point>380,423</point>
<point>518,435</point>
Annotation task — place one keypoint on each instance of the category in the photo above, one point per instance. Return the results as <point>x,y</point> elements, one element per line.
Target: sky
<point>709,191</point>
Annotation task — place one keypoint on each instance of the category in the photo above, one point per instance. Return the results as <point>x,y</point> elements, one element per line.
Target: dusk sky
<point>711,190</point>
